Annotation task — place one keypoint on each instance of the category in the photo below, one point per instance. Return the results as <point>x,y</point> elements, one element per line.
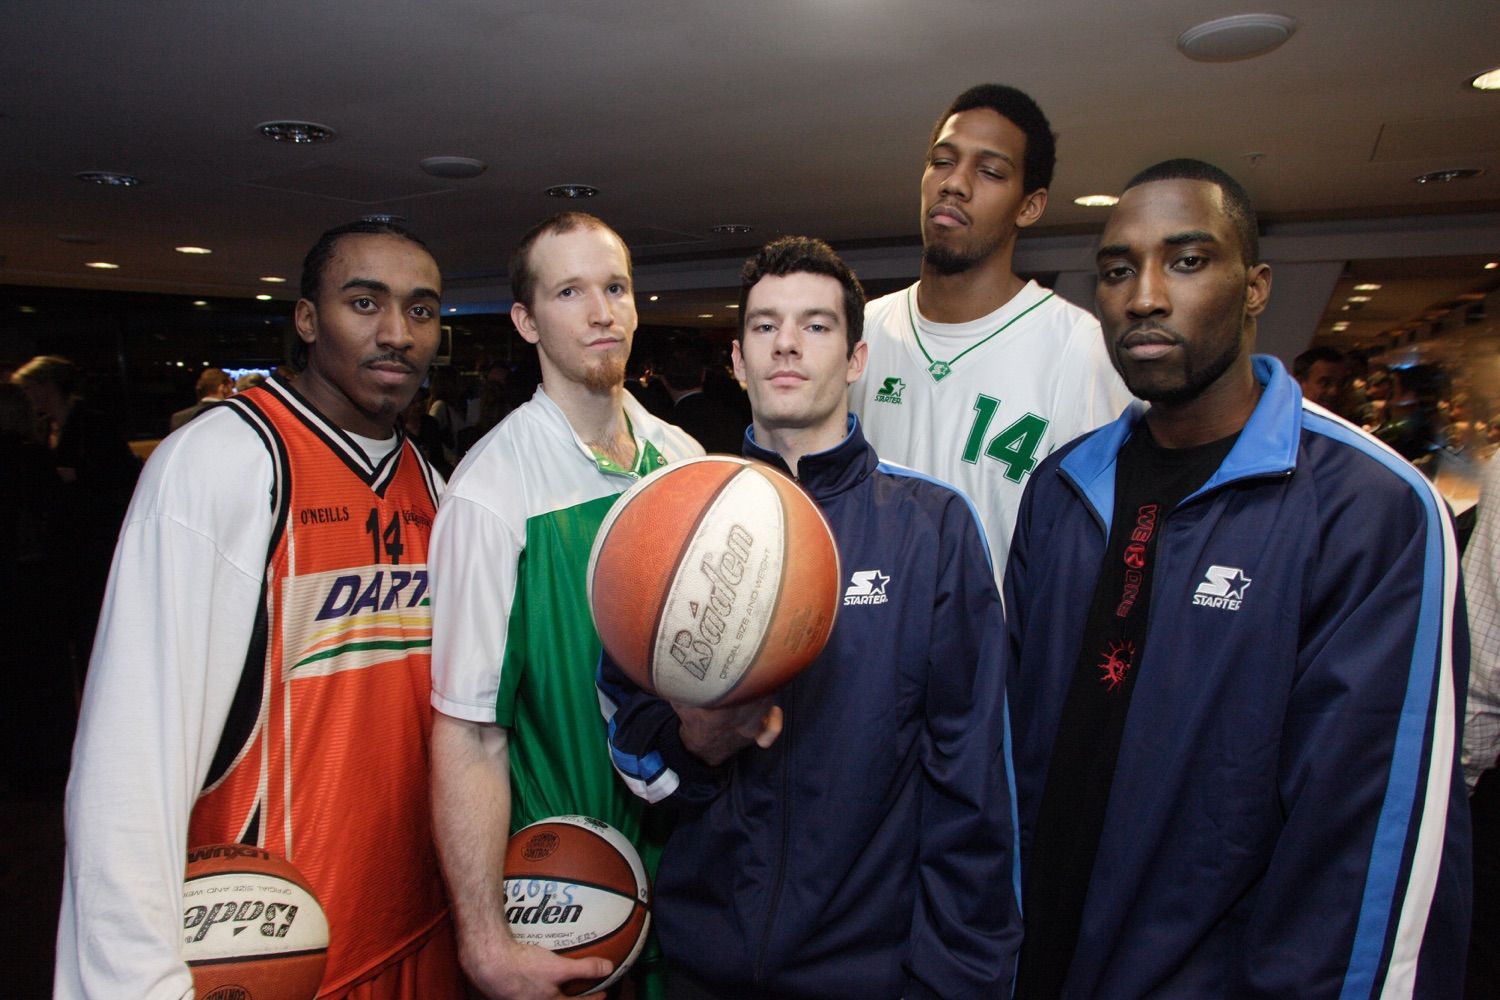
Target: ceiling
<point>805,116</point>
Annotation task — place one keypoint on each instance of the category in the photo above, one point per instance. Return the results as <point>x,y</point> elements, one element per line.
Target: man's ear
<point>305,319</point>
<point>525,323</point>
<point>1032,208</point>
<point>1257,289</point>
<point>858,359</point>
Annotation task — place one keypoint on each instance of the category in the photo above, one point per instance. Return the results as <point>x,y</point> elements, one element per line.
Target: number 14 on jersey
<point>1014,447</point>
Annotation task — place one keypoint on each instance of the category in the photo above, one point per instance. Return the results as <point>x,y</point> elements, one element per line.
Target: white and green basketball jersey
<point>980,404</point>
<point>513,641</point>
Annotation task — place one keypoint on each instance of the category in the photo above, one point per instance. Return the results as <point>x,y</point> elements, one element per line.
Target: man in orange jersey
<point>262,671</point>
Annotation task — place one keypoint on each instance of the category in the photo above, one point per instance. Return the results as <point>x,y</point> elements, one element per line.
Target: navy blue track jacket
<point>868,853</point>
<point>1287,817</point>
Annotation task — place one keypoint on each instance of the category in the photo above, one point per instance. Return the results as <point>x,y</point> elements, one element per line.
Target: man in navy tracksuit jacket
<point>866,852</point>
<point>1285,817</point>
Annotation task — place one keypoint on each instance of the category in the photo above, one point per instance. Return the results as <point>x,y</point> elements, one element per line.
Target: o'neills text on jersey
<point>322,515</point>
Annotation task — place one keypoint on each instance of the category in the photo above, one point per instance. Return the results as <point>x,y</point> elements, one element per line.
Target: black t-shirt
<point>1149,482</point>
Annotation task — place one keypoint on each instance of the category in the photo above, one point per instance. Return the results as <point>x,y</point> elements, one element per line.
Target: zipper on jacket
<point>786,824</point>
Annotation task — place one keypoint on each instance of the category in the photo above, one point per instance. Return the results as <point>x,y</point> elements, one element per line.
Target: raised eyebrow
<point>820,313</point>
<point>426,293</point>
<point>984,154</point>
<point>761,313</point>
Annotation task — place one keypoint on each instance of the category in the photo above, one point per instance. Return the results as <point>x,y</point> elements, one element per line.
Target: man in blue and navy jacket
<point>862,848</point>
<point>1236,660</point>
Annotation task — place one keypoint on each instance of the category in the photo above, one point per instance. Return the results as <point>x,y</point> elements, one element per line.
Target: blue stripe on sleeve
<point>1398,809</point>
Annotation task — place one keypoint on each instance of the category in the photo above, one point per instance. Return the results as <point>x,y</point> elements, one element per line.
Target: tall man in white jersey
<point>975,376</point>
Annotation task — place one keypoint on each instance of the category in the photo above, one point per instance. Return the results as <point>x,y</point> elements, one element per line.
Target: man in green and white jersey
<point>518,736</point>
<point>974,375</point>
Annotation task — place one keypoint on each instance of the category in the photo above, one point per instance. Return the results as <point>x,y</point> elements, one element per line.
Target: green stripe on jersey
<point>559,755</point>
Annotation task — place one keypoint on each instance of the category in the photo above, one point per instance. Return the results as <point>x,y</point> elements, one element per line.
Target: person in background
<point>249,380</point>
<point>714,425</point>
<point>38,712</point>
<point>1481,746</point>
<point>1322,373</point>
<point>214,386</point>
<point>98,472</point>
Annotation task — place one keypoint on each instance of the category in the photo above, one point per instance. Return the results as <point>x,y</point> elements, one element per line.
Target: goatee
<point>606,376</point>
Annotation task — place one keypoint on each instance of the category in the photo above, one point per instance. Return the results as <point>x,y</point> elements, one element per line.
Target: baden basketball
<point>576,886</point>
<point>714,581</point>
<point>251,927</point>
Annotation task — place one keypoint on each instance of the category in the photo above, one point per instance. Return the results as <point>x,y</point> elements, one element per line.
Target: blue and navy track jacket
<point>868,853</point>
<point>1287,817</point>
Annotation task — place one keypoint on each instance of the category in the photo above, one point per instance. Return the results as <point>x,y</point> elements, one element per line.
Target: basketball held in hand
<point>252,929</point>
<point>576,886</point>
<point>714,581</point>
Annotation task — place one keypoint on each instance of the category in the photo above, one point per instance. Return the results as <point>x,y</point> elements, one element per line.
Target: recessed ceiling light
<point>1096,200</point>
<point>1487,81</point>
<point>1240,36</point>
<point>1358,298</point>
<point>571,191</point>
<point>182,364</point>
<point>193,250</point>
<point>1367,286</point>
<point>731,229</point>
<point>200,302</point>
<point>386,217</point>
<point>655,297</point>
<point>301,133</point>
<point>1341,326</point>
<point>109,178</point>
<point>705,315</point>
<point>453,309</point>
<point>731,305</point>
<point>1444,176</point>
<point>29,310</point>
<point>1492,265</point>
<point>456,167</point>
<point>263,297</point>
<point>103,265</point>
<point>271,279</point>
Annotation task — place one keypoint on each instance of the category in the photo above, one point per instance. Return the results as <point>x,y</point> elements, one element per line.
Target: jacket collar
<point>825,473</point>
<point>1267,444</point>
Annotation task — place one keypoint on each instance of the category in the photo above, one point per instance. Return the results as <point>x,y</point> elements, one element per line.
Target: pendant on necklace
<point>939,370</point>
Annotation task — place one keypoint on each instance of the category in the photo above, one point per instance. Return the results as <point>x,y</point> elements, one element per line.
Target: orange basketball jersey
<point>324,756</point>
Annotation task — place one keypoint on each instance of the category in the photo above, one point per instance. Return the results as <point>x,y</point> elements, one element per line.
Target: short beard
<point>606,376</point>
<point>948,262</point>
<point>1196,381</point>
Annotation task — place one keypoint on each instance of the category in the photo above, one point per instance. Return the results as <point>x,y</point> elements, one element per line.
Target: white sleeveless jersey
<point>980,404</point>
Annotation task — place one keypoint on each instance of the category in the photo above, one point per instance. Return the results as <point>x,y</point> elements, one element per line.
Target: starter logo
<point>890,391</point>
<point>866,586</point>
<point>1222,587</point>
